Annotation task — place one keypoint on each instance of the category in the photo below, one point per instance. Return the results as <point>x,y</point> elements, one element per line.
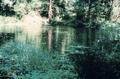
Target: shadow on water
<point>85,36</point>
<point>5,37</point>
<point>97,63</point>
<point>90,67</point>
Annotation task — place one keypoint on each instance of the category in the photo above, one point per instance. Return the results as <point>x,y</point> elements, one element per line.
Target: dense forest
<point>59,39</point>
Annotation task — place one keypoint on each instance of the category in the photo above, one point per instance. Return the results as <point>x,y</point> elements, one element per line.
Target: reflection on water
<point>56,38</point>
<point>46,38</point>
<point>5,37</point>
<point>49,38</point>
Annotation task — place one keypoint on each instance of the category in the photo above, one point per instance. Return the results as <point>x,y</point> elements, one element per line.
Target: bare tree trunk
<point>50,13</point>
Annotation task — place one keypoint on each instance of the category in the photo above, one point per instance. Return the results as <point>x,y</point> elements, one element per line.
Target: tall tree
<point>50,12</point>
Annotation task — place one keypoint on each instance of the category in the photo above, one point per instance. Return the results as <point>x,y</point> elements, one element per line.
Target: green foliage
<point>98,62</point>
<point>6,9</point>
<point>89,12</point>
<point>82,13</point>
<point>44,10</point>
<point>23,61</point>
<point>109,30</point>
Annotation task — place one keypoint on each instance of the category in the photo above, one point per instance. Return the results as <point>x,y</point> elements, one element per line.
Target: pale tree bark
<point>50,16</point>
<point>115,11</point>
<point>50,12</point>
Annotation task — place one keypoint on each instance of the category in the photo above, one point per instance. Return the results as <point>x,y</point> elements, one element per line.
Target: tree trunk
<point>89,25</point>
<point>50,13</point>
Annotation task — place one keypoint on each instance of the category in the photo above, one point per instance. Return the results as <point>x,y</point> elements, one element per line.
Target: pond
<point>49,38</point>
<point>22,47</point>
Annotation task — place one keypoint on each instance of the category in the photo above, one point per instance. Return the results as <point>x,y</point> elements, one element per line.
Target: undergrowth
<point>100,61</point>
<point>22,61</point>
